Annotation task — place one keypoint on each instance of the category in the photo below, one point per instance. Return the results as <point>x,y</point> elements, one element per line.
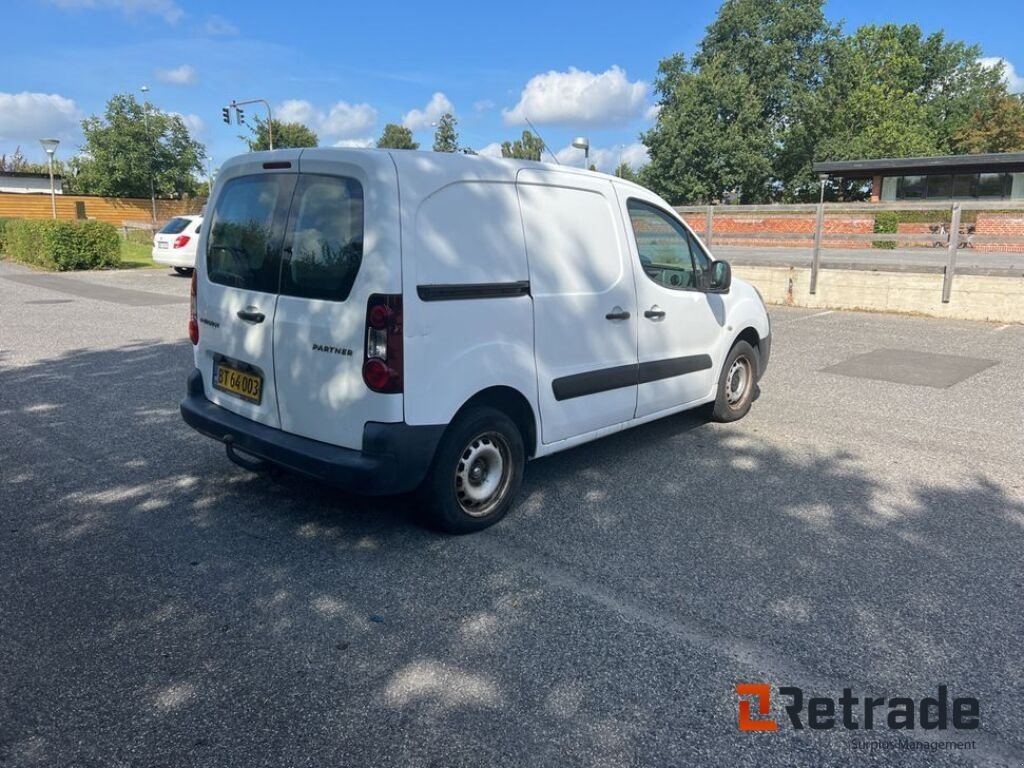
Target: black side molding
<point>463,291</point>
<point>592,382</point>
<point>673,366</point>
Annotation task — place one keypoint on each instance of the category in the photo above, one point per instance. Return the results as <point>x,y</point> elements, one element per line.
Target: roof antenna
<point>532,128</point>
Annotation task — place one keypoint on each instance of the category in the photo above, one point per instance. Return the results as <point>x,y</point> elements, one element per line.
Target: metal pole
<point>586,159</point>
<point>709,223</point>
<point>954,244</point>
<point>818,225</point>
<point>270,116</point>
<point>53,191</point>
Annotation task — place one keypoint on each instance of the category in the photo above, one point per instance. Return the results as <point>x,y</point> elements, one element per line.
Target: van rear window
<point>175,226</point>
<point>325,238</point>
<point>244,245</point>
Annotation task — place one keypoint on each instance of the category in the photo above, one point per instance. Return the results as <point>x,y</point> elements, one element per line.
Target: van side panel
<point>584,299</point>
<point>468,313</point>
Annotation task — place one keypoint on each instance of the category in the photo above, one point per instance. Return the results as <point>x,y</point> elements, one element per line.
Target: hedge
<point>886,221</point>
<point>62,245</point>
<point>3,228</point>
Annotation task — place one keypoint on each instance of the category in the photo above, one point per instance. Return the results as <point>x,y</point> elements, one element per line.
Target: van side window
<point>669,254</point>
<point>244,245</point>
<point>325,244</point>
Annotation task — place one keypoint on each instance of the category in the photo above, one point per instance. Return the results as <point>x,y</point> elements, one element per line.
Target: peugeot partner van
<point>391,321</point>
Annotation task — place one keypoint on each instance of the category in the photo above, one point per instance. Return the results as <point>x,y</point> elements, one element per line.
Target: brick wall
<point>995,224</point>
<point>113,210</point>
<point>800,226</point>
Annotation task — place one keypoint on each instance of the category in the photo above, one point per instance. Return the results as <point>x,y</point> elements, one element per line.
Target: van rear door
<point>237,282</point>
<point>341,247</point>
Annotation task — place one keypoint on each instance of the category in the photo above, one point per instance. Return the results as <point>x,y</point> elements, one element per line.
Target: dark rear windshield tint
<point>325,238</point>
<point>244,243</point>
<point>175,226</point>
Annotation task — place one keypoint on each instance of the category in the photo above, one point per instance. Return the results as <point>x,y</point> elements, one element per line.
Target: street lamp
<point>50,146</point>
<point>582,142</point>
<point>149,135</point>
<point>822,177</point>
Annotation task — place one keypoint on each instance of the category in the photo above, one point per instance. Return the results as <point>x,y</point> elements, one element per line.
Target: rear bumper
<point>170,258</point>
<point>764,353</point>
<point>395,457</point>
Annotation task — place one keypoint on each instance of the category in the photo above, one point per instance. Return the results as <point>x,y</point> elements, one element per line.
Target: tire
<point>184,271</point>
<point>736,383</point>
<point>476,472</point>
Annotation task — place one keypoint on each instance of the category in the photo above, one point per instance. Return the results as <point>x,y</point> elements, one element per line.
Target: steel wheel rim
<point>737,382</point>
<point>483,474</point>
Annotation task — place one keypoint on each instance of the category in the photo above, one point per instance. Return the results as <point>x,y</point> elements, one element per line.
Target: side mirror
<point>721,277</point>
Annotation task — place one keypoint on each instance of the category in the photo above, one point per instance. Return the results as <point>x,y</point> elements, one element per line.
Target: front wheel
<point>736,383</point>
<point>476,472</point>
<point>184,271</point>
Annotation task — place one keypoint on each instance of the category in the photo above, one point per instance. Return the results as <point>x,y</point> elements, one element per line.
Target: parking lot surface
<point>862,528</point>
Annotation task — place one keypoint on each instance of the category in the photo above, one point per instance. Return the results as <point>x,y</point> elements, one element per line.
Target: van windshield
<point>244,246</point>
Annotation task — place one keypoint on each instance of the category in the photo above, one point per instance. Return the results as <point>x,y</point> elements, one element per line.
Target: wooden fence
<point>118,211</point>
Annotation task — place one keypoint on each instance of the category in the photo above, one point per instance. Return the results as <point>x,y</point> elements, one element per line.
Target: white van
<point>390,320</point>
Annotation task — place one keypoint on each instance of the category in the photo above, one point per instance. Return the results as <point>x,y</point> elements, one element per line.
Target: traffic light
<point>226,113</point>
<point>240,115</point>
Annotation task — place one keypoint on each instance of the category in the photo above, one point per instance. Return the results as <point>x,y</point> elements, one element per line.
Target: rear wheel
<point>736,383</point>
<point>184,271</point>
<point>476,473</point>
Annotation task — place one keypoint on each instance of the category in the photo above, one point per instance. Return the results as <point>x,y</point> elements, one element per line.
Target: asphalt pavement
<point>861,528</point>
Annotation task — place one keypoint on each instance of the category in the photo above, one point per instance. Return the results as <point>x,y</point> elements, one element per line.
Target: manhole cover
<point>906,366</point>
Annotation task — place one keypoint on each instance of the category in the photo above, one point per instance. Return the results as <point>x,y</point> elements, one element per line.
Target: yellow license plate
<point>243,384</point>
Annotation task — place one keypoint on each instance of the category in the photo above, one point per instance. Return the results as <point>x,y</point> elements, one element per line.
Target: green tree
<point>996,126</point>
<point>625,171</point>
<point>286,135</point>
<point>133,144</point>
<point>528,147</point>
<point>396,137</point>
<point>726,116</point>
<point>445,137</point>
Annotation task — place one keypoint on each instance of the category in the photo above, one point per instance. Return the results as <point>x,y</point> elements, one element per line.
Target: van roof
<point>450,165</point>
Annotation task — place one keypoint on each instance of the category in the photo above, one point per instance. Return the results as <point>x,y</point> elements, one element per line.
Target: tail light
<point>181,241</point>
<point>193,320</point>
<point>382,364</point>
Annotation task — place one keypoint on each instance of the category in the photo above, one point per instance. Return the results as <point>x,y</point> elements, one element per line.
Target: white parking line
<point>805,317</point>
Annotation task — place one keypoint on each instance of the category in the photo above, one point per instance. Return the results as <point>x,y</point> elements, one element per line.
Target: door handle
<point>654,313</point>
<point>617,313</point>
<point>251,315</point>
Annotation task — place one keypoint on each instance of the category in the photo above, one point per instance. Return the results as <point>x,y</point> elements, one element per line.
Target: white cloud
<point>342,119</point>
<point>652,112</point>
<point>193,122</point>
<point>417,119</point>
<point>579,98</point>
<point>491,150</point>
<point>363,143</point>
<point>168,10</point>
<point>32,116</point>
<point>607,159</point>
<point>483,105</point>
<point>183,75</point>
<point>1014,81</point>
<point>218,25</point>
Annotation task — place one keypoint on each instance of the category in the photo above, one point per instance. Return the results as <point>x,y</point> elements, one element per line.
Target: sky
<point>348,68</point>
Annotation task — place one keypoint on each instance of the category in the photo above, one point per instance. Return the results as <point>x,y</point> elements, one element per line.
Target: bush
<point>63,245</point>
<point>3,229</point>
<point>886,221</point>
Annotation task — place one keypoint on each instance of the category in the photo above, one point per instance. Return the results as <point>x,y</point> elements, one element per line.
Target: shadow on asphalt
<point>149,581</point>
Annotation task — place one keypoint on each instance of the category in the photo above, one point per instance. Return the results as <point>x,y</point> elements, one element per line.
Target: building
<point>30,183</point>
<point>946,177</point>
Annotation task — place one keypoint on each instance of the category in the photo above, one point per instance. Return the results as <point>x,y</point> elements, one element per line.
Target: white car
<point>392,320</point>
<point>175,244</point>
